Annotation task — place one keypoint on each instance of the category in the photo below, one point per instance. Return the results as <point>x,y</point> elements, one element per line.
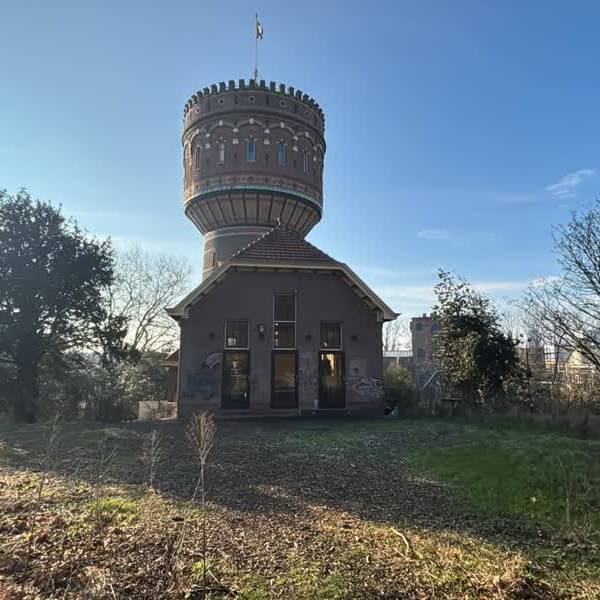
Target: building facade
<point>276,326</point>
<point>422,330</point>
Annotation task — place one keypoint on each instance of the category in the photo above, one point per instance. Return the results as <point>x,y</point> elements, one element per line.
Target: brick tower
<point>253,156</point>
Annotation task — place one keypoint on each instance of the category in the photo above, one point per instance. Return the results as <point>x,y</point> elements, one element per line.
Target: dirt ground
<point>296,509</point>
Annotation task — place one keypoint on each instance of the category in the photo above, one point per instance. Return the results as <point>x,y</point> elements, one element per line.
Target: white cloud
<point>434,234</point>
<point>566,186</point>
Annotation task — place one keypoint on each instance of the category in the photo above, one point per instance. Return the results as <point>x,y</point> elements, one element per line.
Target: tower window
<point>281,154</point>
<point>251,150</point>
<point>197,157</point>
<point>305,161</point>
<point>221,152</point>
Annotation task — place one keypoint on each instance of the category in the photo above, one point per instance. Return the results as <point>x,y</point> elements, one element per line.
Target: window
<point>331,336</point>
<point>281,154</point>
<point>284,321</point>
<point>197,157</point>
<point>419,326</point>
<point>221,152</point>
<point>251,150</point>
<point>305,163</point>
<point>236,334</point>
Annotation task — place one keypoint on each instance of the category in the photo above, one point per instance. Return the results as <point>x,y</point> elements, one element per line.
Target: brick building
<point>276,327</point>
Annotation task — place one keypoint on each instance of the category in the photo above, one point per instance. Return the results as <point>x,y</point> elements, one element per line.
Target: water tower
<point>253,157</point>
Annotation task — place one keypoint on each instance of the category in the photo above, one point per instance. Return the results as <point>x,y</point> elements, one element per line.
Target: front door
<point>235,391</point>
<point>284,381</point>
<point>332,392</point>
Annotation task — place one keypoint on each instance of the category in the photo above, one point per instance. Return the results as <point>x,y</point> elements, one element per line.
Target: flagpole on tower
<point>258,36</point>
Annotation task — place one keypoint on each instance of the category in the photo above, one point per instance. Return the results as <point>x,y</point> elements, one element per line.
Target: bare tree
<point>145,284</point>
<point>568,307</point>
<point>396,335</point>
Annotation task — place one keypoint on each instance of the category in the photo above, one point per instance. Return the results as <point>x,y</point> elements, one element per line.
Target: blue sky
<point>458,132</point>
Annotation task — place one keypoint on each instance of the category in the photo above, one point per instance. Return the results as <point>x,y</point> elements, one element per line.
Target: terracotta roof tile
<point>282,245</point>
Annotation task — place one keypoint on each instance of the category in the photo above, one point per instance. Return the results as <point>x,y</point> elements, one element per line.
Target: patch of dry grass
<point>284,520</point>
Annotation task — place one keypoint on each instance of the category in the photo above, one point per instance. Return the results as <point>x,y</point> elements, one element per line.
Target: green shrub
<point>399,389</point>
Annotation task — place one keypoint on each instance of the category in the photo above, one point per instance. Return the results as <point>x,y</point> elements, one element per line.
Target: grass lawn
<point>310,509</point>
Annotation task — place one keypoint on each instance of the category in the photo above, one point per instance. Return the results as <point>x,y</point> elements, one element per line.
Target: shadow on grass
<point>374,470</point>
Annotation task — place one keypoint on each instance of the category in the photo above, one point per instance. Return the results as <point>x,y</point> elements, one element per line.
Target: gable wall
<point>248,295</point>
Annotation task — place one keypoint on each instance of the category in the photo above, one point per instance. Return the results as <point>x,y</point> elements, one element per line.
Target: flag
<point>259,29</point>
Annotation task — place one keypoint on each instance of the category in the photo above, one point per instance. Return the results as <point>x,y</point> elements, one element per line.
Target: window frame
<point>341,346</point>
<point>225,346</point>
<point>221,150</point>
<point>250,141</point>
<point>294,322</point>
<point>305,161</point>
<point>282,154</point>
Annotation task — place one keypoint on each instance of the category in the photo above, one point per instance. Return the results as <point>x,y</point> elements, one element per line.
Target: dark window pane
<point>284,335</point>
<point>284,380</point>
<point>236,334</point>
<point>285,307</point>
<point>331,335</point>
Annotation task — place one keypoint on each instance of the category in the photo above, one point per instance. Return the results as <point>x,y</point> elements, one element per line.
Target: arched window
<point>221,152</point>
<point>197,157</point>
<point>281,154</point>
<point>305,161</point>
<point>251,150</point>
<point>214,259</point>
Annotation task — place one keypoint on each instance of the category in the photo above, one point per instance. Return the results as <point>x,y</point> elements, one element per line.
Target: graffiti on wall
<point>204,384</point>
<point>369,388</point>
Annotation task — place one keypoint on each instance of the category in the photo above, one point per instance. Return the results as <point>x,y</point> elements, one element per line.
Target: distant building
<point>422,330</point>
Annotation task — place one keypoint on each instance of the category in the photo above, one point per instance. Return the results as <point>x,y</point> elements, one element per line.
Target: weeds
<point>109,510</point>
<point>151,455</point>
<point>200,434</point>
<point>49,456</point>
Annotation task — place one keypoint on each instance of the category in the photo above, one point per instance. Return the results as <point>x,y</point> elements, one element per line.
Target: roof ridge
<point>291,238</point>
<point>254,241</point>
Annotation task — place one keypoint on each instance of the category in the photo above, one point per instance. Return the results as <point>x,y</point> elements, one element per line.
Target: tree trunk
<point>26,401</point>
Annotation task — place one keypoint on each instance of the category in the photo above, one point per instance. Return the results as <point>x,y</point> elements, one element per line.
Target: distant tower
<point>253,155</point>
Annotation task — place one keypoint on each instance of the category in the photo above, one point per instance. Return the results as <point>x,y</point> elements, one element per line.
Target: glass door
<point>332,392</point>
<point>235,391</point>
<point>284,382</point>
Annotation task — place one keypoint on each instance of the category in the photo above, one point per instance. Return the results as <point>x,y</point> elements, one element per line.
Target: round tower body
<point>253,157</point>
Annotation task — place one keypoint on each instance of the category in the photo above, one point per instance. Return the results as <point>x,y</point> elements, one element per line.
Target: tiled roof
<point>282,245</point>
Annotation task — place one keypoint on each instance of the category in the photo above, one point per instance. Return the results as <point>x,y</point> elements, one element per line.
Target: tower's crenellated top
<point>257,95</point>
